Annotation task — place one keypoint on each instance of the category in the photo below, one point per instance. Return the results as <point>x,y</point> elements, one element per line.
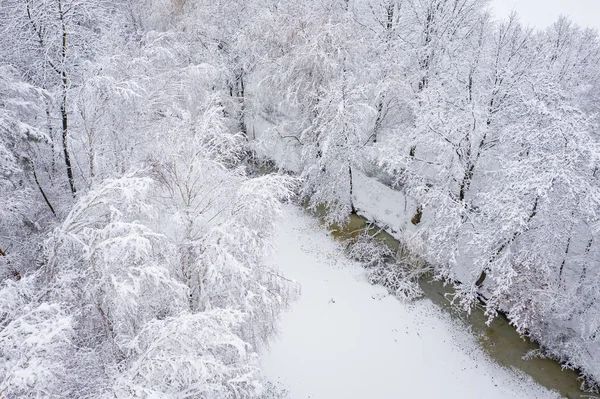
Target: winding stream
<point>500,340</point>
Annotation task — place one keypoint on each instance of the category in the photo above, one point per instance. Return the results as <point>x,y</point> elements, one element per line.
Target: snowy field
<point>347,339</point>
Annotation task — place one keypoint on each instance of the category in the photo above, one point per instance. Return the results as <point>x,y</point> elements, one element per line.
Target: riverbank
<point>348,339</point>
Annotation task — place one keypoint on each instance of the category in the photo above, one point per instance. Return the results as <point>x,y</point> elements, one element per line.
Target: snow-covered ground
<point>347,339</point>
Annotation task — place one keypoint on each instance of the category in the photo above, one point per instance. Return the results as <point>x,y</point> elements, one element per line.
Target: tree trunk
<point>388,28</point>
<point>52,141</point>
<point>390,17</point>
<point>378,121</point>
<point>353,209</point>
<point>41,189</point>
<point>242,101</point>
<point>63,105</point>
<point>466,182</point>
<point>562,265</point>
<point>91,155</point>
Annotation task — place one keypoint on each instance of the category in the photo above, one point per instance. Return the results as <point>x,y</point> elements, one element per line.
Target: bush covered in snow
<point>386,268</point>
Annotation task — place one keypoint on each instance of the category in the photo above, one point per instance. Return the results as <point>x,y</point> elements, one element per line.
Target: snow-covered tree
<point>47,40</point>
<point>191,355</point>
<point>25,208</point>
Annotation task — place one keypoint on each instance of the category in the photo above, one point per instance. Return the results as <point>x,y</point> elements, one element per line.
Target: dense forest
<point>134,231</point>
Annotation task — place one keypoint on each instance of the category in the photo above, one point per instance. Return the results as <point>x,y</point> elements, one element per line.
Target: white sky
<point>541,13</point>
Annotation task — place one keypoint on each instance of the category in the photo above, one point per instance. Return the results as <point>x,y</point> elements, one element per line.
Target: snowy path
<point>347,339</point>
